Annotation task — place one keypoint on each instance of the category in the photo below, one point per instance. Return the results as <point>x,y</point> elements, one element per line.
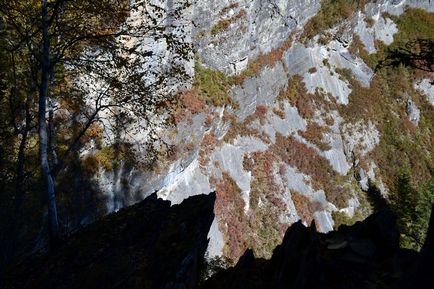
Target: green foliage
<point>74,27</point>
<point>345,73</point>
<point>402,144</point>
<point>412,148</point>
<point>109,158</point>
<point>414,24</point>
<point>268,234</point>
<point>412,44</point>
<point>342,218</point>
<point>213,86</point>
<point>331,13</point>
<point>405,152</point>
<point>413,208</point>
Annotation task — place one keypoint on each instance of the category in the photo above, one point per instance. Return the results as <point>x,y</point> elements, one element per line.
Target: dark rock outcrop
<point>154,245</point>
<point>149,245</point>
<point>365,255</point>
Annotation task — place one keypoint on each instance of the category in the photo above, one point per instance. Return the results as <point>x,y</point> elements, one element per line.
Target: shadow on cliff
<point>154,245</point>
<point>148,245</point>
<point>417,54</point>
<point>365,255</point>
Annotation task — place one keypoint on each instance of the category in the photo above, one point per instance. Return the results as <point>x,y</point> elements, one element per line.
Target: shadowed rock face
<point>153,245</point>
<point>365,255</point>
<point>149,245</point>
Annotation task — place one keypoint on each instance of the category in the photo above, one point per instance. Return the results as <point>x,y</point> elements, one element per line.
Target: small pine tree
<point>413,210</point>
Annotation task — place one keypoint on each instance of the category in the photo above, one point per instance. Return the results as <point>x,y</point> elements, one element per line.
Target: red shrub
<point>233,223</point>
<point>191,101</point>
<point>209,140</point>
<point>304,158</point>
<point>178,115</point>
<point>261,113</point>
<point>303,206</point>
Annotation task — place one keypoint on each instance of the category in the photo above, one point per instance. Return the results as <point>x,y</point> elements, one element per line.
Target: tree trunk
<point>43,135</point>
<point>20,177</point>
<point>52,134</point>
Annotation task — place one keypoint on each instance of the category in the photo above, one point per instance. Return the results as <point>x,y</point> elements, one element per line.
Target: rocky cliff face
<point>283,125</point>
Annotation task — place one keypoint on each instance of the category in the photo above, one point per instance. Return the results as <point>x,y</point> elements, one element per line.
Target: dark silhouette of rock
<point>154,245</point>
<point>295,258</point>
<point>149,245</point>
<point>365,255</point>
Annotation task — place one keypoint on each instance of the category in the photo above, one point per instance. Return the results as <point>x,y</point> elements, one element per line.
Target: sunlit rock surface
<point>326,59</point>
<point>260,90</point>
<point>237,141</point>
<point>255,27</point>
<point>426,87</point>
<point>413,112</point>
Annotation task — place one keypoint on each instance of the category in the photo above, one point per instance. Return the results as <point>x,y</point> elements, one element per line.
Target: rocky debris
<point>149,245</point>
<point>365,255</point>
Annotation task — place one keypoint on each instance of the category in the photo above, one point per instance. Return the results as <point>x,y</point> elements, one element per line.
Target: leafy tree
<point>413,209</point>
<point>85,57</point>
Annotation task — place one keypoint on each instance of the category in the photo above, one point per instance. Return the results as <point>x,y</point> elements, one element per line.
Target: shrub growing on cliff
<point>413,209</point>
<point>331,13</point>
<point>213,86</point>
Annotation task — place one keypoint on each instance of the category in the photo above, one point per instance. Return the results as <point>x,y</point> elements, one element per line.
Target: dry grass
<point>242,129</point>
<point>384,103</point>
<point>212,86</point>
<point>304,158</point>
<point>209,140</point>
<point>191,101</point>
<point>279,112</point>
<point>305,207</point>
<point>261,113</point>
<point>248,163</point>
<point>312,70</point>
<point>331,13</point>
<point>224,24</point>
<point>314,134</point>
<point>229,209</point>
<point>266,60</point>
<point>358,48</point>
<point>296,94</point>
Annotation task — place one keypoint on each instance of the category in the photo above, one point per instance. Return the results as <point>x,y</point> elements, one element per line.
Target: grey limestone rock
<point>413,112</point>
<point>426,87</point>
